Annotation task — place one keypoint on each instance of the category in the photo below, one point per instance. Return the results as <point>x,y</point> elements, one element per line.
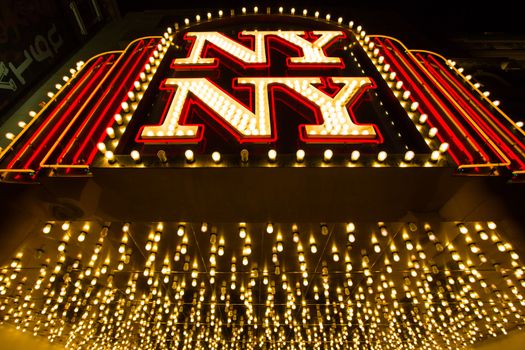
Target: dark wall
<point>36,36</point>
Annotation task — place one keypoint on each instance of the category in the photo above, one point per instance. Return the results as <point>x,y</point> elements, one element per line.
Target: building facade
<point>264,178</point>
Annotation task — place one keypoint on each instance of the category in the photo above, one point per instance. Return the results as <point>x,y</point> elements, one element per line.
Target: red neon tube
<point>147,49</point>
<point>461,88</point>
<point>474,114</point>
<point>90,113</point>
<point>87,120</point>
<point>51,116</point>
<point>436,114</point>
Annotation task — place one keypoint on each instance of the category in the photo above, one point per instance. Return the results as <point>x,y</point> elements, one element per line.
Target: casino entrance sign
<point>264,181</point>
<point>311,89</point>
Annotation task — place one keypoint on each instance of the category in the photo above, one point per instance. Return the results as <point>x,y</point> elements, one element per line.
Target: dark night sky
<point>445,16</point>
<point>425,24</point>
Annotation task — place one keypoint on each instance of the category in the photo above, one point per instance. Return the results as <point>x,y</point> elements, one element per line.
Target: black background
<point>448,27</point>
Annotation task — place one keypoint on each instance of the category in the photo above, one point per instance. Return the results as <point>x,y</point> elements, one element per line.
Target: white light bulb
<point>188,154</point>
<point>118,119</point>
<point>381,156</point>
<point>355,156</point>
<point>443,147</point>
<point>135,155</point>
<point>47,228</point>
<point>242,232</point>
<point>109,156</point>
<point>327,155</point>
<point>300,154</point>
<point>111,132</point>
<point>101,147</point>
<point>216,156</point>
<point>434,156</point>
<point>272,155</point>
<point>409,156</point>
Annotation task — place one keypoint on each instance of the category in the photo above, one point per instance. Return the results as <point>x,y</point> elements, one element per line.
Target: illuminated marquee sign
<point>249,126</point>
<point>294,86</point>
<point>255,123</point>
<point>312,50</point>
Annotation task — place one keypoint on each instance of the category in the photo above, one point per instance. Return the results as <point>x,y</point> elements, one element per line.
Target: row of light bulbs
<point>468,79</point>
<point>255,10</point>
<point>134,96</point>
<point>404,95</point>
<point>142,294</point>
<point>353,159</point>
